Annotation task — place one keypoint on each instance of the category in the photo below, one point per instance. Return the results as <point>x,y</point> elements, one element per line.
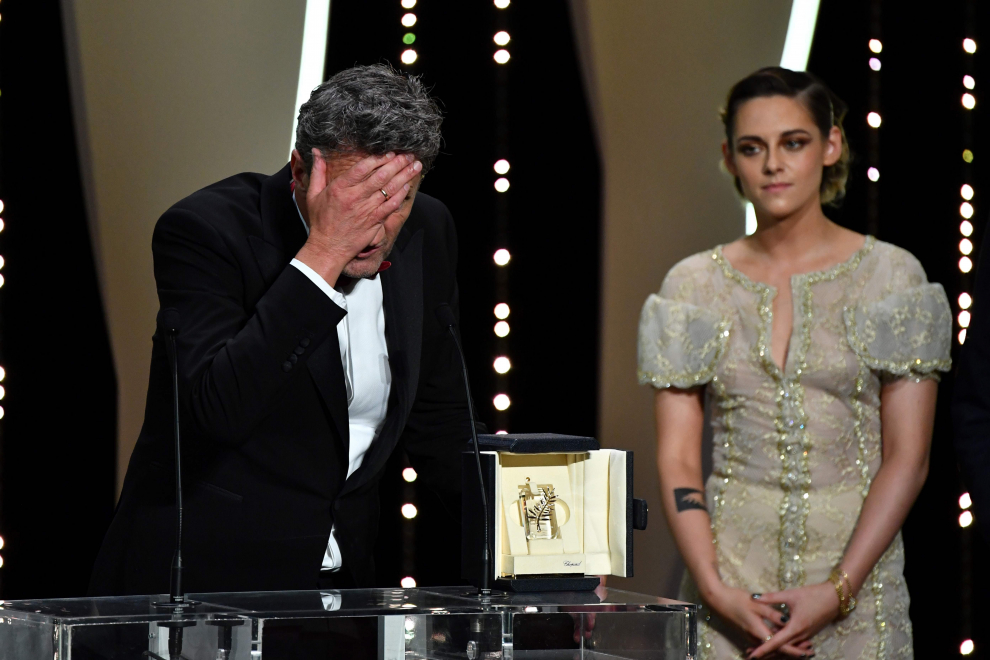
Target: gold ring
<point>384,192</point>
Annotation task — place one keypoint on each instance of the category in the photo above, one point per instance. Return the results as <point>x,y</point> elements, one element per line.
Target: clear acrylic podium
<point>385,624</point>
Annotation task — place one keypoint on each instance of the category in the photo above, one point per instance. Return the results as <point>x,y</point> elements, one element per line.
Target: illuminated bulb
<point>409,20</point>
<point>501,433</point>
<point>966,647</point>
<point>3,373</point>
<point>501,38</point>
<point>966,192</point>
<point>966,228</point>
<point>409,475</point>
<point>875,63</point>
<point>962,336</point>
<point>409,38</point>
<point>501,329</point>
<point>501,4</point>
<point>873,119</point>
<point>408,4</point>
<point>409,511</point>
<point>968,101</point>
<point>2,262</point>
<point>501,256</point>
<point>969,45</point>
<point>969,82</point>
<point>964,319</point>
<point>501,56</point>
<point>1,412</point>
<point>875,45</point>
<point>501,184</point>
<point>1,206</point>
<point>502,364</point>
<point>967,155</point>
<point>408,583</point>
<point>966,210</point>
<point>1,561</point>
<point>965,501</point>
<point>501,311</point>
<point>1,543</point>
<point>965,264</point>
<point>501,166</point>
<point>966,246</point>
<point>1,224</point>
<point>1,280</point>
<point>408,56</point>
<point>3,392</point>
<point>501,402</point>
<point>965,301</point>
<point>873,174</point>
<point>965,519</point>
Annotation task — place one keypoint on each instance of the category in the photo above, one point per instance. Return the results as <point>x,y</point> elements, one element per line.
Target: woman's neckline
<point>826,273</point>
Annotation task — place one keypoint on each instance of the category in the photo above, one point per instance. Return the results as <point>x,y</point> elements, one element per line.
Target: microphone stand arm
<point>486,560</point>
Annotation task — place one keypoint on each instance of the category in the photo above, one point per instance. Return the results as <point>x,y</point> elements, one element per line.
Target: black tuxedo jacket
<point>971,401</point>
<point>263,401</point>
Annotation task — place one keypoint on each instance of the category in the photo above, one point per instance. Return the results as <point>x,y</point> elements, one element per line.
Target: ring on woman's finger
<point>757,596</point>
<point>384,192</point>
<point>769,637</point>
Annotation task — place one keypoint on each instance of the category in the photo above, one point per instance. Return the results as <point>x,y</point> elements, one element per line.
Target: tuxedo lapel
<point>402,292</point>
<point>283,234</point>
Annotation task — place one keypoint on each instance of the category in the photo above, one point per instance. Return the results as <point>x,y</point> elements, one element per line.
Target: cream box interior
<point>562,513</point>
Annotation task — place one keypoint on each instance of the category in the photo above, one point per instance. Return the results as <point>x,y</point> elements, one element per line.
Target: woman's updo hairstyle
<point>827,110</point>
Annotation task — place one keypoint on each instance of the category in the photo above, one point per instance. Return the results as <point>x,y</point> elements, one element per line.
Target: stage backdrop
<point>657,72</point>
<point>164,94</point>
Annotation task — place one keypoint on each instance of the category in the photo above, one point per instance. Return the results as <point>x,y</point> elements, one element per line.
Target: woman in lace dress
<point>817,350</point>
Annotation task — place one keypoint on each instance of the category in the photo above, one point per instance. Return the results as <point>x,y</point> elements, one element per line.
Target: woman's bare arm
<point>907,415</point>
<point>680,419</point>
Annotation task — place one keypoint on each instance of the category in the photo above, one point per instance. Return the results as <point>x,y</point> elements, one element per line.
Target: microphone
<point>169,322</point>
<point>445,315</point>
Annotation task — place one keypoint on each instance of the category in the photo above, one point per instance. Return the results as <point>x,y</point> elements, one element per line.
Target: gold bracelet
<point>843,589</point>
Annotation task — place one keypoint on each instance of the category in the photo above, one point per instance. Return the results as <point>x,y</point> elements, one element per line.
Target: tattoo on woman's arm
<point>689,498</point>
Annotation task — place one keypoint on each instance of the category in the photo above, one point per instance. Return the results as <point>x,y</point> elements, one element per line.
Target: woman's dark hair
<point>827,110</point>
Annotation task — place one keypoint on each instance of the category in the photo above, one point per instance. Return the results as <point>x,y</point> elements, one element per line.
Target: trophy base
<point>548,583</point>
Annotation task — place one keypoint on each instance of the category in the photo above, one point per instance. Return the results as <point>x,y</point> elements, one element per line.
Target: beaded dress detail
<point>795,449</point>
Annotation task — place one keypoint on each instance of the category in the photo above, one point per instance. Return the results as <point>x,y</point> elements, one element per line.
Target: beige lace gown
<point>795,450</point>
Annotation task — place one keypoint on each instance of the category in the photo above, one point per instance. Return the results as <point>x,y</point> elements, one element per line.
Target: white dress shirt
<point>364,357</point>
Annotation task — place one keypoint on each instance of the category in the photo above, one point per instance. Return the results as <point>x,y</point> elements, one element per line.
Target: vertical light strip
<point>314,54</point>
<point>501,43</point>
<point>800,32</point>
<point>797,49</point>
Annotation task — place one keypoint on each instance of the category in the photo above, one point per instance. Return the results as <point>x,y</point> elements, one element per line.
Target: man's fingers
<point>384,174</point>
<point>390,205</point>
<point>364,168</point>
<point>400,183</point>
<point>317,176</point>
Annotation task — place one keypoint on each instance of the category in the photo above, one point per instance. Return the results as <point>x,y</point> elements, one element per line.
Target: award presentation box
<point>561,512</point>
<point>388,624</point>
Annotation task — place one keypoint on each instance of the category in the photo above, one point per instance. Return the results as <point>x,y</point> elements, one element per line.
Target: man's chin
<point>363,268</point>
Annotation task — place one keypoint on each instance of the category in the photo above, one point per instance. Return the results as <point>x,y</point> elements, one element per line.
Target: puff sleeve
<point>679,343</point>
<point>908,333</point>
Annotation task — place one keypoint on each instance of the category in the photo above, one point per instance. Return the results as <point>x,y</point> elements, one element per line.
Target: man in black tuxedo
<point>307,352</point>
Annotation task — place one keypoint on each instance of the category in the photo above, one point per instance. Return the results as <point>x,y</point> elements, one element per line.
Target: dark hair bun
<point>827,110</point>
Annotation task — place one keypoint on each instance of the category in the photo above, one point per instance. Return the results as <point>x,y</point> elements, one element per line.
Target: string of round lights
<point>967,194</point>
<point>873,119</point>
<point>409,55</point>
<point>501,167</point>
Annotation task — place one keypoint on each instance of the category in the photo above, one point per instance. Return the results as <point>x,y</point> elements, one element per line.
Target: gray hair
<point>371,109</point>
